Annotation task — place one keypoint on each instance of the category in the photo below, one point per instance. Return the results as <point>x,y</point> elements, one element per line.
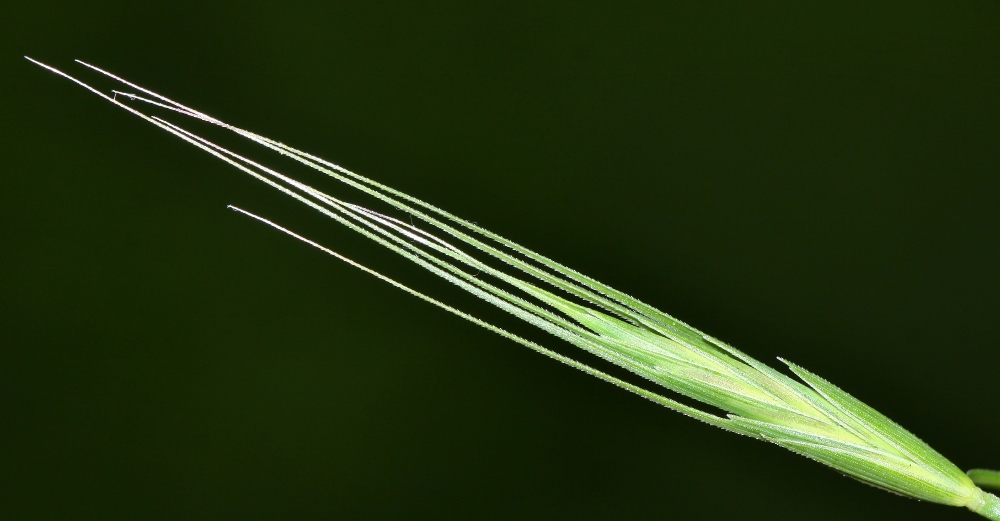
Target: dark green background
<point>815,180</point>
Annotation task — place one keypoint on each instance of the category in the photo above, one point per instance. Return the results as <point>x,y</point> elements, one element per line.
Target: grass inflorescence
<point>808,416</point>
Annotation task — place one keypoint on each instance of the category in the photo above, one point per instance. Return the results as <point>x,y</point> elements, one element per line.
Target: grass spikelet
<point>808,416</point>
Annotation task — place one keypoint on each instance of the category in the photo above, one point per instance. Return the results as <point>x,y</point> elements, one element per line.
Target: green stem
<point>985,478</point>
<point>986,505</point>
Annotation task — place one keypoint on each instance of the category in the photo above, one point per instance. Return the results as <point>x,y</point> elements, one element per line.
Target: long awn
<point>810,417</point>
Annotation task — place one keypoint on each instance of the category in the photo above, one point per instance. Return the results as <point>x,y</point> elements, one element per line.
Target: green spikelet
<point>810,417</point>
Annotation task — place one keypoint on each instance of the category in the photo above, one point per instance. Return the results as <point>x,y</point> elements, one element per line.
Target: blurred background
<point>812,180</point>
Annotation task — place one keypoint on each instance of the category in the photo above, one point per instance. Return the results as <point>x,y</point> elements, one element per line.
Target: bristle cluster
<point>811,417</point>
